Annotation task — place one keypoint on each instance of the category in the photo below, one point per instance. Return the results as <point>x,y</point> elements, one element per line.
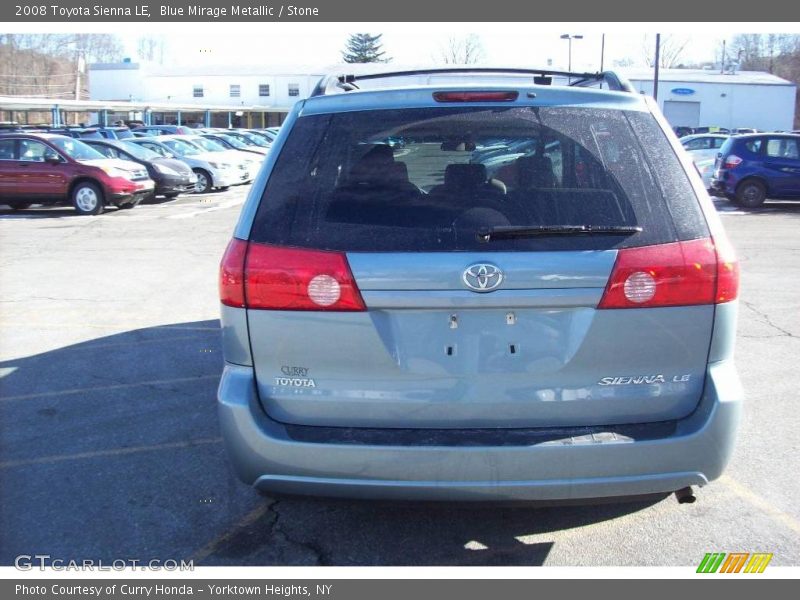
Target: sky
<point>520,44</point>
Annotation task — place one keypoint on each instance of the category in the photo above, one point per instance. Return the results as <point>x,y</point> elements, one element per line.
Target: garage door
<point>683,114</point>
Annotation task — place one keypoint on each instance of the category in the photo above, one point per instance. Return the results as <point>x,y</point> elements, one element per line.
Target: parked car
<point>170,176</point>
<point>711,129</point>
<point>249,161</point>
<point>163,130</point>
<point>261,134</point>
<point>115,133</point>
<point>212,172</point>
<point>54,169</point>
<point>703,149</point>
<point>752,168</point>
<point>249,139</point>
<point>231,143</point>
<point>397,325</point>
<point>682,131</point>
<point>75,132</point>
<point>270,133</point>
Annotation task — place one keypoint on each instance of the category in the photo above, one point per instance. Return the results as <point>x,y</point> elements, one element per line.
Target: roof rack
<point>347,83</point>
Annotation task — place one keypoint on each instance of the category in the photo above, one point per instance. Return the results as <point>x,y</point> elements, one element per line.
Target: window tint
<point>782,148</point>
<point>8,149</point>
<point>754,146</point>
<point>30,150</point>
<point>105,150</point>
<point>431,179</point>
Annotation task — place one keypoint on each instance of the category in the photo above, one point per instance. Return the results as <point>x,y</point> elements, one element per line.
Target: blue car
<point>415,323</point>
<point>751,168</point>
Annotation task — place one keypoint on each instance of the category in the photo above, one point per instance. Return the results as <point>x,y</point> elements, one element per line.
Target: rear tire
<point>204,182</point>
<point>751,193</point>
<point>87,198</point>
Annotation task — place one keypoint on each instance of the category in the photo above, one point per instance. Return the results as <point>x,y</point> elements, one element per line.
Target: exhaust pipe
<point>685,496</point>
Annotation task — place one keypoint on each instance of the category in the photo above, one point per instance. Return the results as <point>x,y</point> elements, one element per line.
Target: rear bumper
<point>266,454</point>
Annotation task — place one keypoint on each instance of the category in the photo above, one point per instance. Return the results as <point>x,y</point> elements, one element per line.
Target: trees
<point>462,51</point>
<point>672,47</point>
<point>364,48</point>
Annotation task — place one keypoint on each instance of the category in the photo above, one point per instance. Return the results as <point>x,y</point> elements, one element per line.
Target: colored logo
<point>735,562</point>
<point>683,91</point>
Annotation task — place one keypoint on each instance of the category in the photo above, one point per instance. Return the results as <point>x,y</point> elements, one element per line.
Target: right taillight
<point>731,161</point>
<point>262,276</point>
<point>677,274</point>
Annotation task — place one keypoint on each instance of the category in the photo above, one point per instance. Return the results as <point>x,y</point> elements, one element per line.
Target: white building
<point>257,96</point>
<point>694,97</point>
<point>262,96</point>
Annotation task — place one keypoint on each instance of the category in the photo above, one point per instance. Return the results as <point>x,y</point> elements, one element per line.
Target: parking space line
<point>246,521</point>
<point>99,388</point>
<point>220,206</point>
<point>112,452</point>
<point>760,503</point>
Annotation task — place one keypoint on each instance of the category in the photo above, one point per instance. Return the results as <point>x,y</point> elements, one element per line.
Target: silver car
<point>213,172</point>
<point>400,322</point>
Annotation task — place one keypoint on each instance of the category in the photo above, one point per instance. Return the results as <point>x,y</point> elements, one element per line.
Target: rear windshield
<point>432,179</point>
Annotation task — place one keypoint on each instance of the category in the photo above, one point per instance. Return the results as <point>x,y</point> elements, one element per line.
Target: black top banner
<point>462,11</point>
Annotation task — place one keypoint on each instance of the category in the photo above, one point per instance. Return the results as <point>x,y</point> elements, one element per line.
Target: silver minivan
<point>470,285</point>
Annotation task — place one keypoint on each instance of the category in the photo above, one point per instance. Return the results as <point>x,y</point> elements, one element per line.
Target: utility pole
<point>722,63</point>
<point>602,51</point>
<point>658,60</point>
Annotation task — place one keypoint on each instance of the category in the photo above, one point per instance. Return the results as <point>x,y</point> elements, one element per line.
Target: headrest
<point>535,171</point>
<point>464,175</point>
<point>373,166</point>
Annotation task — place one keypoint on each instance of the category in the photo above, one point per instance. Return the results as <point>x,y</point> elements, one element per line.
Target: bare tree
<point>462,51</point>
<point>672,48</point>
<point>151,47</point>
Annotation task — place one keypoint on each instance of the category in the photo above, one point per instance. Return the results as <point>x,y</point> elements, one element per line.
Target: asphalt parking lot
<point>109,445</point>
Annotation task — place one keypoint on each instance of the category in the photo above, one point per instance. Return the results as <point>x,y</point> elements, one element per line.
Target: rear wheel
<point>751,193</point>
<point>203,185</point>
<point>87,199</point>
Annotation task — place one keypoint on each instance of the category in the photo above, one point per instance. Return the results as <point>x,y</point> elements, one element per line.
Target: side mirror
<point>52,159</point>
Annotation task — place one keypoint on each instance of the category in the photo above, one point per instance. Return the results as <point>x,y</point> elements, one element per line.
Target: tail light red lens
<point>231,274</point>
<point>731,161</point>
<point>276,278</point>
<point>678,274</point>
<point>476,96</point>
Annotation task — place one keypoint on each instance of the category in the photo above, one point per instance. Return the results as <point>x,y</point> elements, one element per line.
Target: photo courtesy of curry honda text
<point>472,284</point>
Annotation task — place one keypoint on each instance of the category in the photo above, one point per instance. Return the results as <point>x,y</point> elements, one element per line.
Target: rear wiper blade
<point>510,232</point>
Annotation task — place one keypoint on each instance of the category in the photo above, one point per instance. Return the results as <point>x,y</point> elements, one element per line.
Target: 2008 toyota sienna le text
<point>472,285</point>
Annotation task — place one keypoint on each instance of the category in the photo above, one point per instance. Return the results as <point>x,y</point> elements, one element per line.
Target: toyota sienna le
<point>478,285</point>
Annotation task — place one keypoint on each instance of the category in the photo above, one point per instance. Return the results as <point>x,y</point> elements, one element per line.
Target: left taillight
<point>261,276</point>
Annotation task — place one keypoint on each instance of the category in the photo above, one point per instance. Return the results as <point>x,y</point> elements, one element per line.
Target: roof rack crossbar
<point>348,82</point>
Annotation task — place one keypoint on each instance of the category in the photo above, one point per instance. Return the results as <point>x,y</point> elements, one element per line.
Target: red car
<point>52,169</point>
